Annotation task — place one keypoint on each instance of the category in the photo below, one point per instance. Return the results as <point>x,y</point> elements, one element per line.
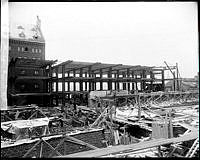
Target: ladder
<point>193,149</point>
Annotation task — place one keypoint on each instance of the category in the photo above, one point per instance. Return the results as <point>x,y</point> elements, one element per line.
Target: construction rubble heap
<point>159,124</point>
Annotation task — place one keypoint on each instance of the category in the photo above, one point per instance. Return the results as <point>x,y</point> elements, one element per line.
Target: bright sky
<point>132,33</point>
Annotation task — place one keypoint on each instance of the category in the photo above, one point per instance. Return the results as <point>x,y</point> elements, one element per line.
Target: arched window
<point>36,72</point>
<point>36,86</point>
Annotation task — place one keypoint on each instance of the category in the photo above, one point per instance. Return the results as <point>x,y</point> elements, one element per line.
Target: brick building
<point>28,71</point>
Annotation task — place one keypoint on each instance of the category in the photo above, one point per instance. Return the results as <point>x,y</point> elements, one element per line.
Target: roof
<point>33,62</point>
<point>96,66</point>
<point>27,32</point>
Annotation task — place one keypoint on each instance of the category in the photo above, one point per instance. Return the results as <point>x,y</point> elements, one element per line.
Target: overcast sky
<point>132,33</point>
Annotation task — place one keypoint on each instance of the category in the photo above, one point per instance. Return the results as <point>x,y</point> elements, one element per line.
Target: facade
<point>26,41</point>
<point>73,81</point>
<point>28,71</point>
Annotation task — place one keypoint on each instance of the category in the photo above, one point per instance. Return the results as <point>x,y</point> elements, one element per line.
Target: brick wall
<point>94,138</point>
<point>30,53</point>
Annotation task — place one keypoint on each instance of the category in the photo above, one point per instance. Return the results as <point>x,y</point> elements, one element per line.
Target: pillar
<point>101,83</point>
<point>68,83</point>
<point>143,84</point>
<point>56,86</point>
<point>90,75</point>
<point>151,82</point>
<point>86,81</point>
<point>117,79</point>
<point>133,76</point>
<point>81,82</point>
<point>109,80</point>
<point>128,76</point>
<point>74,82</point>
<point>163,81</point>
<point>124,84</point>
<point>63,84</point>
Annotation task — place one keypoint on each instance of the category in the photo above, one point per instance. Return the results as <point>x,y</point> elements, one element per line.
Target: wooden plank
<point>29,151</point>
<point>133,147</point>
<point>187,126</point>
<point>41,147</point>
<point>82,142</point>
<point>60,143</point>
<point>52,147</point>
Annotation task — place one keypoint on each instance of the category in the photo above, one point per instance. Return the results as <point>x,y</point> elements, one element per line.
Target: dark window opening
<point>26,49</point>
<point>22,87</point>
<point>36,86</point>
<point>22,72</point>
<point>36,72</point>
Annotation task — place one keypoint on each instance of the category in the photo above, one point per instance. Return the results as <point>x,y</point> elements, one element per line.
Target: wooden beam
<point>133,147</point>
<point>81,142</point>
<point>29,151</point>
<point>86,66</point>
<point>52,147</point>
<point>107,67</point>
<point>64,63</point>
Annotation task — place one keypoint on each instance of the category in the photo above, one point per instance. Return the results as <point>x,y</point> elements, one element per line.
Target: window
<point>36,72</point>
<point>36,86</point>
<point>9,48</point>
<point>26,49</point>
<point>22,87</point>
<point>22,72</point>
<point>22,49</point>
<point>18,48</point>
<point>36,50</point>
<point>33,50</point>
<point>40,51</point>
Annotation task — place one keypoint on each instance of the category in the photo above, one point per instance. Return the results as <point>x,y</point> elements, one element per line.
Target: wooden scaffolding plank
<point>133,147</point>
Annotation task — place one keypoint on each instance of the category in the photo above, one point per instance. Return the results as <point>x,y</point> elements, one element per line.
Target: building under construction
<point>85,109</point>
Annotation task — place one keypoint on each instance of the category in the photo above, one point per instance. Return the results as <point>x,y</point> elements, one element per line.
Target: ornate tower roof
<point>27,32</point>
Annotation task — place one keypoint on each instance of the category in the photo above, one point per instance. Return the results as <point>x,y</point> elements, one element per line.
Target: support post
<point>81,82</point>
<point>56,86</point>
<point>133,76</point>
<point>74,82</point>
<point>124,84</point>
<point>139,108</point>
<point>163,80</point>
<point>90,83</point>
<point>110,81</point>
<point>118,80</point>
<point>178,88</point>
<point>101,83</point>
<point>86,82</point>
<point>151,83</point>
<point>128,76</point>
<point>63,85</point>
